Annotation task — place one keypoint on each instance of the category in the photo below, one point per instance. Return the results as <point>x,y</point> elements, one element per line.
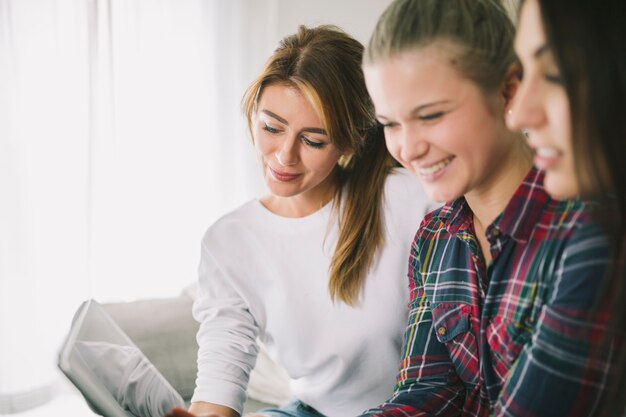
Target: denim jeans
<point>295,408</point>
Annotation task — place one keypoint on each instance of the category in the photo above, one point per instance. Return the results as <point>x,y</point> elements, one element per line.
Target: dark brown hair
<point>587,40</point>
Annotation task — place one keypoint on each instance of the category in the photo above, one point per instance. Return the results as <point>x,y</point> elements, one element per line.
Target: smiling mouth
<point>546,158</point>
<point>546,152</point>
<point>283,176</point>
<point>434,168</point>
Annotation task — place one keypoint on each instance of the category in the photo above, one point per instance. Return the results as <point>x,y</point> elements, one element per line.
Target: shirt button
<point>442,331</point>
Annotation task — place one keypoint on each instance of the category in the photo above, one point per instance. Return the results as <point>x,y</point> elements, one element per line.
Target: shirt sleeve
<point>227,336</point>
<point>563,369</point>
<point>427,384</point>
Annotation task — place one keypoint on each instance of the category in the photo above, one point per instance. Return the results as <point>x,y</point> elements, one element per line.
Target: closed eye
<point>312,143</point>
<point>388,125</point>
<point>431,116</point>
<point>553,78</point>
<point>270,129</point>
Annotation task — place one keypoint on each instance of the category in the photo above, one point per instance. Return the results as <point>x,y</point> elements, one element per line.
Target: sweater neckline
<point>313,218</point>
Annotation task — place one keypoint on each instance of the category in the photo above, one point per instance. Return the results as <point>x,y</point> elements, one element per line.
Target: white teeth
<point>547,152</point>
<point>436,167</point>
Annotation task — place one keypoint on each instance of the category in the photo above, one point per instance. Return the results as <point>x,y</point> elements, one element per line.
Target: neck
<point>303,204</point>
<point>489,201</point>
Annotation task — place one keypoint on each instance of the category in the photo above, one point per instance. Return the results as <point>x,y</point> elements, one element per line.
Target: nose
<point>526,111</point>
<point>287,153</point>
<point>411,145</point>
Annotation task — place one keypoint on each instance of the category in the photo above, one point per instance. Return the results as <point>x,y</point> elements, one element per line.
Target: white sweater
<point>265,275</point>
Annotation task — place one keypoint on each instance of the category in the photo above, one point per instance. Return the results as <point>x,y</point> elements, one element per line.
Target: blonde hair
<point>324,64</point>
<point>481,30</point>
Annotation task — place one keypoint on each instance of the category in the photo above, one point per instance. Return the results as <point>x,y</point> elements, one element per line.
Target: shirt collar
<point>518,218</point>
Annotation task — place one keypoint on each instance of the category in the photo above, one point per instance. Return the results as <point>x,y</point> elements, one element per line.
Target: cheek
<point>562,124</point>
<point>456,138</point>
<point>322,163</point>
<point>262,145</point>
<point>478,137</point>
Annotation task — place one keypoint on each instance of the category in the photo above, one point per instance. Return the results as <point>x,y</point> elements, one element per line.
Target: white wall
<point>355,17</point>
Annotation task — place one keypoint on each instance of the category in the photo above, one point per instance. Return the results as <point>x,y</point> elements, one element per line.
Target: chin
<point>560,188</point>
<point>277,192</point>
<point>442,197</point>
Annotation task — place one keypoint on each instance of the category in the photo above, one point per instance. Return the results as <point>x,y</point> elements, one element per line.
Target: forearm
<point>225,359</point>
<point>425,387</point>
<point>215,410</point>
<point>572,363</point>
<point>227,346</point>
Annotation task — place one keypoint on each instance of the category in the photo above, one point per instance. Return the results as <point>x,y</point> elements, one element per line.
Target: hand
<point>181,412</point>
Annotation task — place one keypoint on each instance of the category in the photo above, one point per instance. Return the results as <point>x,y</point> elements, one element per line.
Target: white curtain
<point>44,126</point>
<point>120,142</point>
<point>178,155</point>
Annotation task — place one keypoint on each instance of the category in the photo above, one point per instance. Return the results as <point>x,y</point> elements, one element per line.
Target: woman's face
<point>541,106</point>
<point>438,124</point>
<point>297,156</point>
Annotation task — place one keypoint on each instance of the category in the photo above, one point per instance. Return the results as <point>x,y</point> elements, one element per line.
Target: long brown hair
<point>587,41</point>
<point>324,64</point>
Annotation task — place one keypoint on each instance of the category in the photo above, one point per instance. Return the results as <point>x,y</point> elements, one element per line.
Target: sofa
<point>165,331</point>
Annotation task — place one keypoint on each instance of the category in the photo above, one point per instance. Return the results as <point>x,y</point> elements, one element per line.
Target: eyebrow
<point>541,50</point>
<point>284,121</point>
<point>427,105</point>
<point>275,116</point>
<point>418,108</point>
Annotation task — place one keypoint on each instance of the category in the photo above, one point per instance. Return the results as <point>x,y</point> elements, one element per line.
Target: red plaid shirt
<point>516,337</point>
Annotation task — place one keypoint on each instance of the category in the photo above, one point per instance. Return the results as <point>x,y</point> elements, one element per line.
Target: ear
<point>511,84</point>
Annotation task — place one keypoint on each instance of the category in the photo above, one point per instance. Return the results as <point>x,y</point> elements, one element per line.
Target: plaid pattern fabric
<point>512,338</point>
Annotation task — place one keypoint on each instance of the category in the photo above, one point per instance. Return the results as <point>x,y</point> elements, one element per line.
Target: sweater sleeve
<point>227,336</point>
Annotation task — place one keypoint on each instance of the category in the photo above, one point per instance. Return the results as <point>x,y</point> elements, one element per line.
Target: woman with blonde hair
<point>316,268</point>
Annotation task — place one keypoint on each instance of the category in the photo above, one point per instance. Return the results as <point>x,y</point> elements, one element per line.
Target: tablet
<point>113,375</point>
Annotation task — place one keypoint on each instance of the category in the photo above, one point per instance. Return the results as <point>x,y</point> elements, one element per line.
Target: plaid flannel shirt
<point>516,337</point>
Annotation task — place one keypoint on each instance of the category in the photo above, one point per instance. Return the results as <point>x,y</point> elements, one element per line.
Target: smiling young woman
<point>571,102</point>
